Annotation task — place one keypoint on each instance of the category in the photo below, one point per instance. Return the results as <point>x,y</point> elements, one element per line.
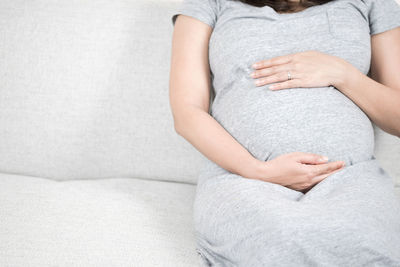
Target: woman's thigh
<point>362,198</point>
<point>247,221</point>
<point>233,214</point>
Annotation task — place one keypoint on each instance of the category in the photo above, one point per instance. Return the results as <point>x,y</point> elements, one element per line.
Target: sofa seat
<point>104,222</point>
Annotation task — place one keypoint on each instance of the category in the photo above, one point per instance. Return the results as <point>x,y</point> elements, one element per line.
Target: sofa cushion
<point>84,91</point>
<point>105,222</point>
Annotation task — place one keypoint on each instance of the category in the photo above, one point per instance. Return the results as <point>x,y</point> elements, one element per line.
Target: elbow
<point>177,128</point>
<point>397,133</point>
<point>178,125</point>
<point>187,117</point>
<point>396,130</point>
<point>177,119</point>
<point>394,120</point>
<point>182,117</point>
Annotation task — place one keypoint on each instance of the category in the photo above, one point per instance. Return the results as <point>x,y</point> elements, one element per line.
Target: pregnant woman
<point>325,70</point>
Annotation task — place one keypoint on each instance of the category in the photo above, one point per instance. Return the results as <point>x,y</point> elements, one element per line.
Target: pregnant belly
<point>317,120</point>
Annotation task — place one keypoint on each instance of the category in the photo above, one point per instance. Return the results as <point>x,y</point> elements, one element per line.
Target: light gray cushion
<point>106,222</point>
<point>84,91</point>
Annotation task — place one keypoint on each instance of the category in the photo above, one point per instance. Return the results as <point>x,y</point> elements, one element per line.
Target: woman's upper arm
<point>190,81</point>
<point>385,61</point>
<point>384,22</point>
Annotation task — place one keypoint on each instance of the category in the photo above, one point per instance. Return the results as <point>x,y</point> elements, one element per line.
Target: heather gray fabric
<point>352,218</point>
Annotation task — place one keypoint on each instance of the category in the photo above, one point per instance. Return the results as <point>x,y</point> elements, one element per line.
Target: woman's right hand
<point>299,170</point>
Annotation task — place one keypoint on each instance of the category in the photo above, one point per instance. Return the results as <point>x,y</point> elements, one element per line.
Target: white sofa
<point>92,172</point>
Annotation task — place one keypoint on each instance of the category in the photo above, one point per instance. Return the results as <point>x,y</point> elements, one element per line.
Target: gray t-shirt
<point>316,119</point>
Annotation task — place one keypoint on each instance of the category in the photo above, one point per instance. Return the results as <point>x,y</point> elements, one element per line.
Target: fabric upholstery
<point>84,91</point>
<point>106,222</point>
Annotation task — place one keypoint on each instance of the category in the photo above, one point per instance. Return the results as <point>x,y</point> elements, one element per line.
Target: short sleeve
<point>383,15</point>
<point>203,10</point>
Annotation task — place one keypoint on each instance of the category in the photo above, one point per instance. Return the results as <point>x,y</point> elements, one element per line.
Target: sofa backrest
<point>84,92</point>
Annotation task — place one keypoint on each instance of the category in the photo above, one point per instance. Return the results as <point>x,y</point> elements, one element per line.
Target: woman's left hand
<point>307,69</point>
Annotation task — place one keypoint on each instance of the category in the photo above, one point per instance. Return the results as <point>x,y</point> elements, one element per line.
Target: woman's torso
<point>270,123</point>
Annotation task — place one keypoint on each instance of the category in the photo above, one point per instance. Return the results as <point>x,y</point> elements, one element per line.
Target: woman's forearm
<point>213,141</point>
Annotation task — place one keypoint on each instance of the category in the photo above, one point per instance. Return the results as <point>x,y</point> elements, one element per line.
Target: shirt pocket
<point>348,24</point>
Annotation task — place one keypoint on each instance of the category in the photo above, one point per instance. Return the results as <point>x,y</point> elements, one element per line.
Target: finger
<point>286,84</point>
<point>326,167</point>
<point>310,158</point>
<point>268,71</point>
<point>321,177</point>
<point>273,61</point>
<point>278,77</point>
<point>318,179</point>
